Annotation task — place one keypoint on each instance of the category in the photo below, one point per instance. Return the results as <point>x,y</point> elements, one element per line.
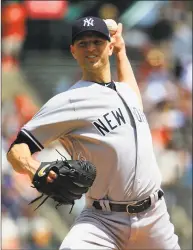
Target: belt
<point>135,207</point>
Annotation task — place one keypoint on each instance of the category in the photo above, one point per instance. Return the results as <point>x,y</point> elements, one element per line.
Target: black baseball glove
<point>74,178</point>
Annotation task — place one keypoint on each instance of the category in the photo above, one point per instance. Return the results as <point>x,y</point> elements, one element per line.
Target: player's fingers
<point>49,179</point>
<point>113,39</point>
<point>120,28</point>
<point>52,176</point>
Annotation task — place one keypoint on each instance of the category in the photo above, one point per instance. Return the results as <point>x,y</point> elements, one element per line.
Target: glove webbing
<point>39,197</point>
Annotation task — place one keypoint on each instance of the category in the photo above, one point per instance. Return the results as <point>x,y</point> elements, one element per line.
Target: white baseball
<point>111,25</point>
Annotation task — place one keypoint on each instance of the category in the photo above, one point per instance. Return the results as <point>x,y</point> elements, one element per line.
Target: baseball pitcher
<point>102,126</point>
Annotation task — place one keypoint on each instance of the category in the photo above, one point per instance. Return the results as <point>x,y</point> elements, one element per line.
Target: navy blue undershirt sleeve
<point>26,137</point>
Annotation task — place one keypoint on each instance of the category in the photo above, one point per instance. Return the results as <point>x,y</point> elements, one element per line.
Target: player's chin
<point>94,65</point>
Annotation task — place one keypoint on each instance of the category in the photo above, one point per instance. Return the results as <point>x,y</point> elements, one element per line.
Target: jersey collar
<point>82,83</point>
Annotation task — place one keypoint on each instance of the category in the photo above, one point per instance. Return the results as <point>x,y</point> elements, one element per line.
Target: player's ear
<point>111,47</point>
<point>72,51</point>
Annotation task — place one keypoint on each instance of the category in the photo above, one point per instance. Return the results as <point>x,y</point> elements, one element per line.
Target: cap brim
<point>90,30</point>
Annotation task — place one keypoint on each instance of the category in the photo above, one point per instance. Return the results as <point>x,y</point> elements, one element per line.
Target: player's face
<point>92,52</point>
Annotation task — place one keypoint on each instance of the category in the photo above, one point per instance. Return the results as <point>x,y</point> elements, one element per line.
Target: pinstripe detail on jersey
<point>33,139</point>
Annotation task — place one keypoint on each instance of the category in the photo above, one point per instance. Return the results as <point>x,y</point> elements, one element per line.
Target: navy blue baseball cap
<point>89,23</point>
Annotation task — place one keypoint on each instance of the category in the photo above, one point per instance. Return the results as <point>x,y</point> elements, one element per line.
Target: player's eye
<point>82,44</point>
<point>98,42</point>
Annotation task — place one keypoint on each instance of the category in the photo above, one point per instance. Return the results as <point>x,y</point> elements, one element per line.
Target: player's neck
<point>102,76</point>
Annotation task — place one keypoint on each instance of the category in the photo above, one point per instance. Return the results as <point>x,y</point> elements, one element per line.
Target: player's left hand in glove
<point>73,179</point>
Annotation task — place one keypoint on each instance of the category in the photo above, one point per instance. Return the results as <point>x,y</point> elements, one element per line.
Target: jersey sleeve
<point>56,118</point>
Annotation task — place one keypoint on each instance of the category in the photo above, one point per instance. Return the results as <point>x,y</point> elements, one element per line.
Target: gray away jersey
<point>95,123</point>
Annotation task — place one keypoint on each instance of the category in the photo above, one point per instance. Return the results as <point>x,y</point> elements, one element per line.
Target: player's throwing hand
<point>117,39</point>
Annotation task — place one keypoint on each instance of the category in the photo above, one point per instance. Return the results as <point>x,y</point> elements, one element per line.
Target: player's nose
<point>90,46</point>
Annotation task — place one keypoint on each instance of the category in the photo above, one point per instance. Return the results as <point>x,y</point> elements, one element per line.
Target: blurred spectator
<point>16,112</point>
<point>10,233</point>
<point>171,163</point>
<point>187,178</point>
<point>25,108</point>
<point>182,39</point>
<point>186,76</point>
<point>109,11</point>
<point>13,33</point>
<point>41,235</point>
<point>10,122</point>
<point>160,31</point>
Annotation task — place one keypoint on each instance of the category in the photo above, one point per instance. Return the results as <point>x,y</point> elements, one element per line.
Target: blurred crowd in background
<point>36,64</point>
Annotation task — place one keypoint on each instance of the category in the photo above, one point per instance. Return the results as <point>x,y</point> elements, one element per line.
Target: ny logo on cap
<point>88,22</point>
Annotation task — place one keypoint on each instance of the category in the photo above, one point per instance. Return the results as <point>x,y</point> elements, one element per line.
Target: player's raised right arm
<point>124,69</point>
